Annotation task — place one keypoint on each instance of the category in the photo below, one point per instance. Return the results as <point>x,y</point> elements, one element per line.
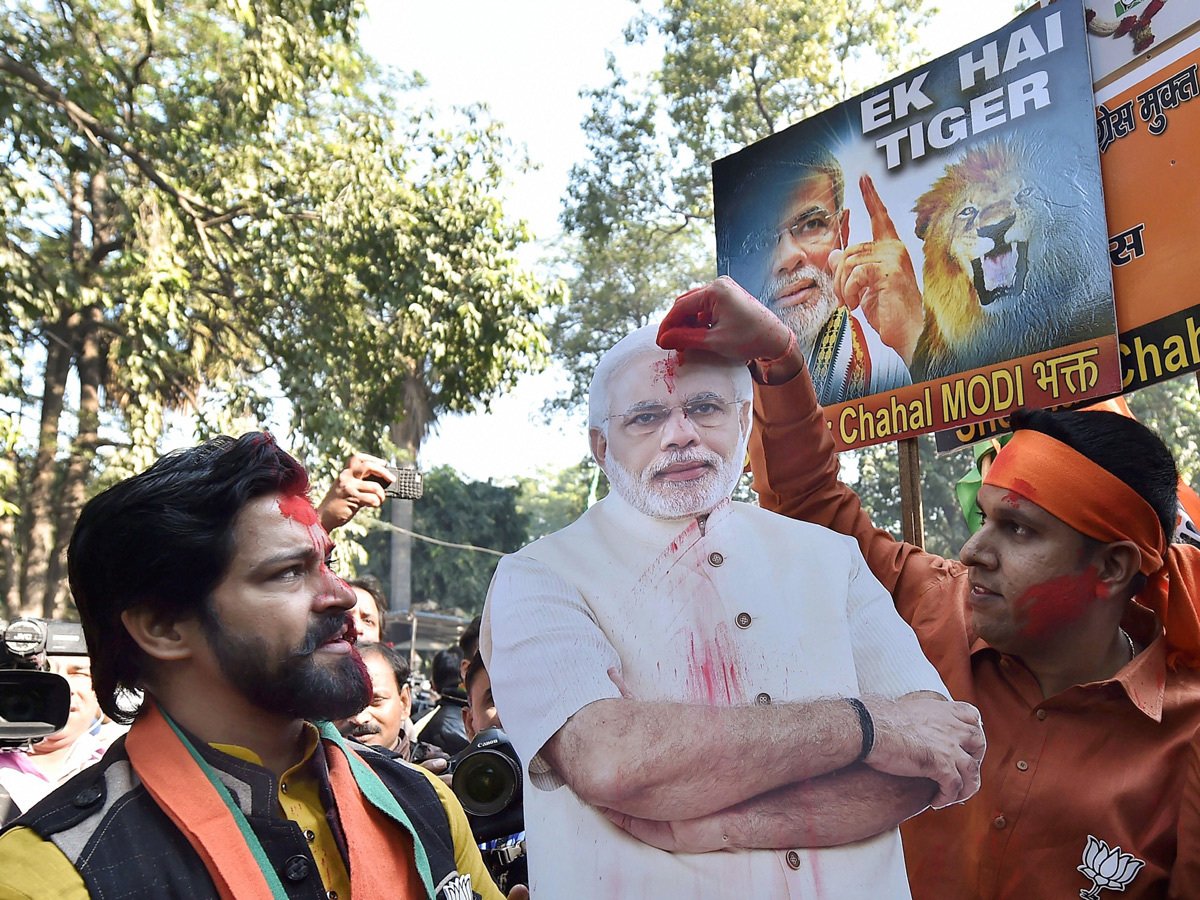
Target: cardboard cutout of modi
<point>712,700</point>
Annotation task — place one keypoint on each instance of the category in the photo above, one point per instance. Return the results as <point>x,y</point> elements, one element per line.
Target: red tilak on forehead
<point>666,369</point>
<point>298,507</point>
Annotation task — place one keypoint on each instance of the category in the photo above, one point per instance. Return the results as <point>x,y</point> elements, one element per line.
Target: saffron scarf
<point>1100,505</point>
<point>189,791</point>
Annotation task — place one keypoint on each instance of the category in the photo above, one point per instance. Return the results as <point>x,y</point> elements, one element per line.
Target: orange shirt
<point>1115,761</point>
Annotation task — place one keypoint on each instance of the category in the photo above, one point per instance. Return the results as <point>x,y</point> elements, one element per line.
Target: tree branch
<point>100,135</point>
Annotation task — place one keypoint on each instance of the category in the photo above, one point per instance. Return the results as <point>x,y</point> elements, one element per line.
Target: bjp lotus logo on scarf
<point>1108,869</point>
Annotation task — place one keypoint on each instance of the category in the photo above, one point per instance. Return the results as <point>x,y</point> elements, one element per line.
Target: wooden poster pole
<point>912,519</point>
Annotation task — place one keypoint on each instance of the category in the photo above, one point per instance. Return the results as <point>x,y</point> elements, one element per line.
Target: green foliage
<point>874,473</point>
<point>735,71</point>
<point>629,247</point>
<point>554,500</point>
<point>1172,410</point>
<point>463,512</point>
<point>212,204</point>
<point>638,210</point>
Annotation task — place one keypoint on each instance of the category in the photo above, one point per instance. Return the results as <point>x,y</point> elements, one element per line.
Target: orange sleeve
<point>796,474</point>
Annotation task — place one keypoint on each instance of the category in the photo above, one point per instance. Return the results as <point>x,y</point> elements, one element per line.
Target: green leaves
<point>226,200</point>
<point>638,210</point>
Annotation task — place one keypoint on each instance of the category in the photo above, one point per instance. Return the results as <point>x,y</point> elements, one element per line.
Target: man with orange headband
<point>1070,622</point>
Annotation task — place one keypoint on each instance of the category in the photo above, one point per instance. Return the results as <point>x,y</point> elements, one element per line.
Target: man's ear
<point>160,637</point>
<point>1118,563</point>
<point>406,701</point>
<point>599,444</point>
<point>466,714</point>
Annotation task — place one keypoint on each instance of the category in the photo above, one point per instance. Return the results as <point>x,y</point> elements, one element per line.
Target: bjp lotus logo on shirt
<point>1109,869</point>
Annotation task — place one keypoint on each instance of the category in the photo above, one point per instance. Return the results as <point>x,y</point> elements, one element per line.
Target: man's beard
<point>677,499</point>
<point>299,686</point>
<point>805,319</point>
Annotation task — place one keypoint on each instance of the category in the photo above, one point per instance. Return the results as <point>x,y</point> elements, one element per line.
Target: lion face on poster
<point>1008,269</point>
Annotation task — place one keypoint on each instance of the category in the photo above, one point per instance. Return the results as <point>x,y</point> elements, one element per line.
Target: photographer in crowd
<point>503,855</point>
<point>29,773</point>
<point>443,727</point>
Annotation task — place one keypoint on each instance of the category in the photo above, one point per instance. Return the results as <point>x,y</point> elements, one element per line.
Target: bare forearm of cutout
<point>675,761</point>
<point>849,805</point>
<point>668,761</point>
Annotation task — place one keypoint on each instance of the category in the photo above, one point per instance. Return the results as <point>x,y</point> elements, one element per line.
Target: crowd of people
<point>709,698</point>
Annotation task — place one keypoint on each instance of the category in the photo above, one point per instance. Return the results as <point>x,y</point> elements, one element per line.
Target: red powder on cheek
<point>298,508</point>
<point>1049,606</point>
<point>666,370</point>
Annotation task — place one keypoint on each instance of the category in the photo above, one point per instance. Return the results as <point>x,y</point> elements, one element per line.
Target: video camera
<point>488,783</point>
<point>34,702</point>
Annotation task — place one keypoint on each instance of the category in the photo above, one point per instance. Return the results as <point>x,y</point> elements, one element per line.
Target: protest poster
<point>1147,131</point>
<point>960,207</point>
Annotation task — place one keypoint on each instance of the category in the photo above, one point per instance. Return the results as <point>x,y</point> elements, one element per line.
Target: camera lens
<point>486,782</point>
<point>22,707</point>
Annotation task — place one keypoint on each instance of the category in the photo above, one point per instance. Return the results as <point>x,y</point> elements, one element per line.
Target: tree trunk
<point>39,508</point>
<point>9,600</point>
<point>90,368</point>
<point>407,435</point>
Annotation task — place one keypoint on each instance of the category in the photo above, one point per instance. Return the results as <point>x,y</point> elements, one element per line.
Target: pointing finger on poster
<point>878,275</point>
<point>882,227</point>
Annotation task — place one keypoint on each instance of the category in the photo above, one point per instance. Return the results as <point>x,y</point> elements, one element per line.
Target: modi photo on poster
<point>938,243</point>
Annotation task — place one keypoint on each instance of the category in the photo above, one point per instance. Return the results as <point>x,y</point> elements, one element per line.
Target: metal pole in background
<point>912,518</point>
<point>400,593</point>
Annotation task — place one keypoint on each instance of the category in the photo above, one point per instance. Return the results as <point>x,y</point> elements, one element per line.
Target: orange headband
<point>1074,489</point>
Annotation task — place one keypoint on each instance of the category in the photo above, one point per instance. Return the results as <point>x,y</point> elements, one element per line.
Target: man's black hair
<point>473,670</point>
<point>468,641</point>
<point>447,669</point>
<point>1120,445</point>
<point>374,587</point>
<point>397,661</point>
<point>164,539</point>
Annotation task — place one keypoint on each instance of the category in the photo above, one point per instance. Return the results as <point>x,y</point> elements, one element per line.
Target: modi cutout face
<point>673,439</point>
<point>799,285</point>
